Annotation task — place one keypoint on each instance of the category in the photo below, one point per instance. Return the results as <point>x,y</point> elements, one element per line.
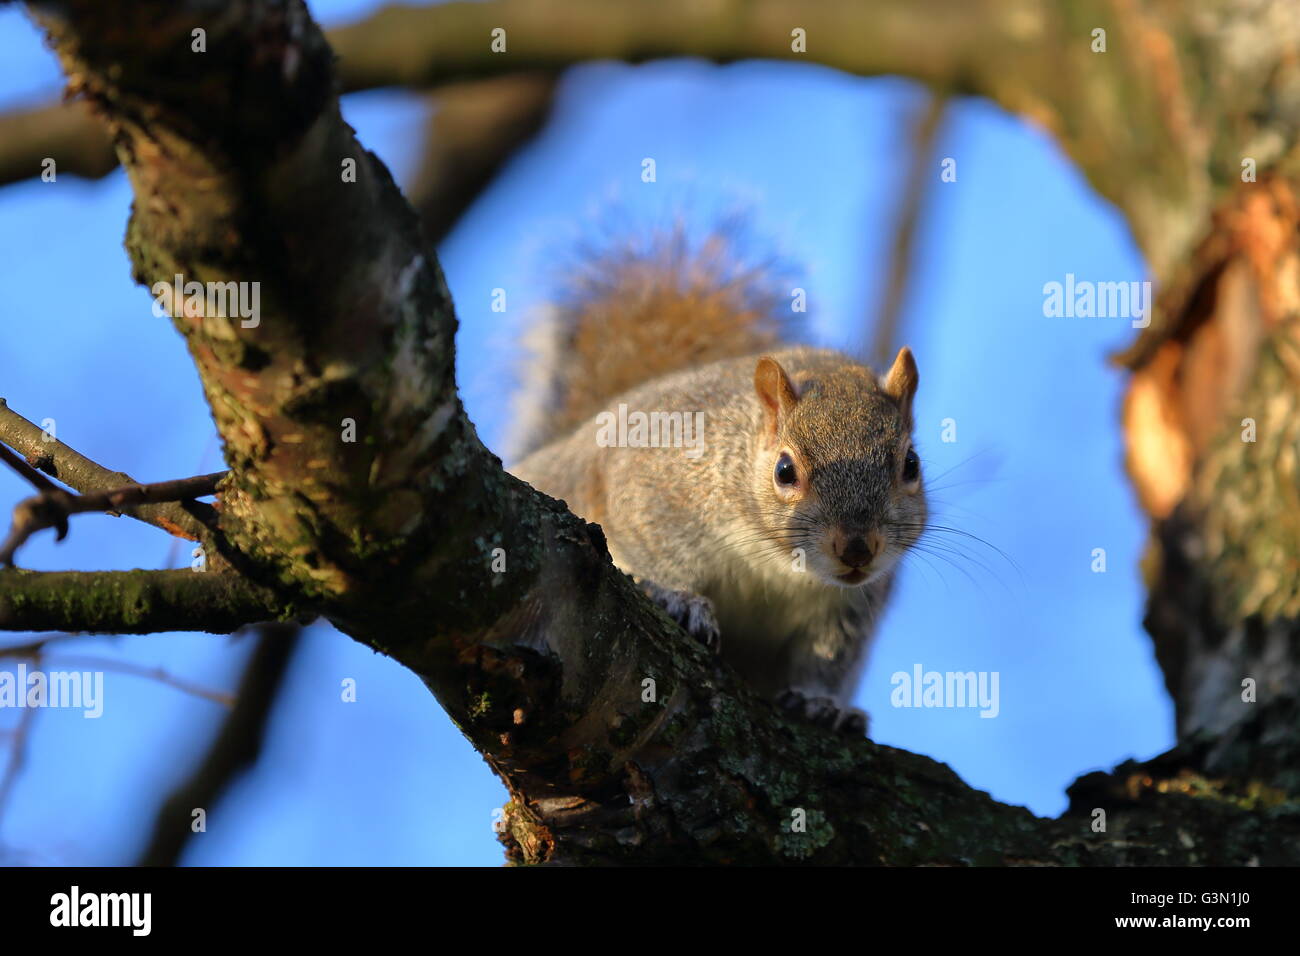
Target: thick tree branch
<point>618,738</point>
<point>69,466</point>
<point>1139,119</point>
<point>67,133</point>
<point>132,602</point>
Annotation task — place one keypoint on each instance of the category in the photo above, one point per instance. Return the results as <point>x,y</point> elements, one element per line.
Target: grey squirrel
<point>761,494</point>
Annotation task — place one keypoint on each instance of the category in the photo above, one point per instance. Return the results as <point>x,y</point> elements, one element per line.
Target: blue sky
<point>817,159</point>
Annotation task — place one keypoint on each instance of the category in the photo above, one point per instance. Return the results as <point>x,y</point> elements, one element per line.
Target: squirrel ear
<point>775,391</point>
<point>900,381</point>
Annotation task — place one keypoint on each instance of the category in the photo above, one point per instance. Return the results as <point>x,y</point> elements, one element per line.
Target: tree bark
<point>133,602</point>
<point>618,739</point>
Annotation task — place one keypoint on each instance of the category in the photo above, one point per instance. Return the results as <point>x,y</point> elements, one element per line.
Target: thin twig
<point>924,134</point>
<point>18,749</point>
<point>33,648</point>
<point>20,465</point>
<point>52,508</point>
<point>74,469</point>
<point>88,662</point>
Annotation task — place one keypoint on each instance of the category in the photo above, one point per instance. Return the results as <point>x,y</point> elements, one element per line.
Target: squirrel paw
<point>692,611</point>
<point>824,712</point>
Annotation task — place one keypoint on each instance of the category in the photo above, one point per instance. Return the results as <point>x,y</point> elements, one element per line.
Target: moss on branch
<point>133,602</point>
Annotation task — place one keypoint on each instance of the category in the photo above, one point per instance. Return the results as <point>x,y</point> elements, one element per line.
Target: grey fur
<point>715,526</point>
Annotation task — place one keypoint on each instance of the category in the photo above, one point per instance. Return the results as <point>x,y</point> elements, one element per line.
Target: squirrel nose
<point>857,552</point>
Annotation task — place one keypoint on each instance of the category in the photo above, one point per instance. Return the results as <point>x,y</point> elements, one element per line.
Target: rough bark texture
<point>1215,399</point>
<point>235,161</point>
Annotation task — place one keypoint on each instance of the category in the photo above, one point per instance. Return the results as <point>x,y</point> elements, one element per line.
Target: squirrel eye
<point>911,466</point>
<point>786,473</point>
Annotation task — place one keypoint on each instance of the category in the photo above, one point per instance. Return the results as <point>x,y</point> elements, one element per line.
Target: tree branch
<point>475,128</point>
<point>1033,57</point>
<point>74,469</point>
<point>921,174</point>
<point>68,133</point>
<point>53,506</point>
<point>132,602</point>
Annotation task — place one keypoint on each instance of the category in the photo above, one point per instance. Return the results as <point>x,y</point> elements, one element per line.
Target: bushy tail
<point>639,310</point>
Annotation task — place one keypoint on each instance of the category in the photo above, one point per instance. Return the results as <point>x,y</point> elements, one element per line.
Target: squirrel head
<point>836,474</point>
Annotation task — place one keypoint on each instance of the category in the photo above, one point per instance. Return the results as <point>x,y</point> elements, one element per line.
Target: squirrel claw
<point>824,712</point>
<point>692,611</point>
